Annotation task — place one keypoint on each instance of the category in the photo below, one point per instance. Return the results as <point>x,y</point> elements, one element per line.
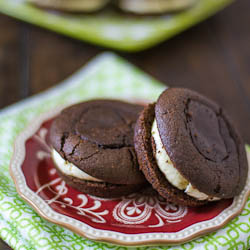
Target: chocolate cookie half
<point>93,147</point>
<point>189,150</point>
<point>71,5</point>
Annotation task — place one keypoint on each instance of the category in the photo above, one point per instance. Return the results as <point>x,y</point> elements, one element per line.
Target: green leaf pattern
<point>108,76</point>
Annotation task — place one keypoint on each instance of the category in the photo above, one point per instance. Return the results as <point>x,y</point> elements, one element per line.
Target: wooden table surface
<point>212,58</point>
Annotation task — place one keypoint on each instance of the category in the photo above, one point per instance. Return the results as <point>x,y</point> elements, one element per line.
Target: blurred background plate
<point>111,28</point>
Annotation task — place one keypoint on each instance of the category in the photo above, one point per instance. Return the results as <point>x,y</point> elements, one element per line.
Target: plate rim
<point>140,239</point>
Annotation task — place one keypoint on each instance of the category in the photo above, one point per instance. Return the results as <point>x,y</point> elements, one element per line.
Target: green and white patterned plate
<point>112,29</point>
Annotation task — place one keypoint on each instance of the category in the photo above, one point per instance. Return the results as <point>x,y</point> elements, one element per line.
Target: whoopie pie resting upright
<point>189,150</point>
<point>93,148</point>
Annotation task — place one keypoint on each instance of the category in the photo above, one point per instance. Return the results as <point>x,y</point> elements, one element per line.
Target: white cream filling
<point>154,6</point>
<point>70,169</point>
<point>78,5</point>
<point>170,172</point>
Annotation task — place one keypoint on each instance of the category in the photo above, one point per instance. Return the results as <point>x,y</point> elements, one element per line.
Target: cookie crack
<point>88,157</point>
<point>63,139</point>
<point>115,146</point>
<point>74,148</point>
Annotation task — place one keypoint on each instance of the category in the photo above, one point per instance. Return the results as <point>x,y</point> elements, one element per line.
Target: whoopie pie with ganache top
<point>93,148</point>
<point>189,149</point>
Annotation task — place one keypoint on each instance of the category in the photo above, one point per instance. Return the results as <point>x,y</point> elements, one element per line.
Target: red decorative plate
<point>130,220</point>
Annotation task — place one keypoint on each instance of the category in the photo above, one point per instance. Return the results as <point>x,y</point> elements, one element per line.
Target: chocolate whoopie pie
<point>93,147</point>
<point>145,7</point>
<point>189,150</point>
<point>71,5</point>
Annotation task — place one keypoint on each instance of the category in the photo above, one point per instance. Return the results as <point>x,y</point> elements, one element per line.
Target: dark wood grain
<point>10,61</point>
<point>212,58</point>
<point>55,57</point>
<point>4,246</point>
<point>233,40</point>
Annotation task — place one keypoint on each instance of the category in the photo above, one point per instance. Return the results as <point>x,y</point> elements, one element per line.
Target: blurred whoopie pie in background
<point>71,5</point>
<point>145,7</point>
<point>142,7</point>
